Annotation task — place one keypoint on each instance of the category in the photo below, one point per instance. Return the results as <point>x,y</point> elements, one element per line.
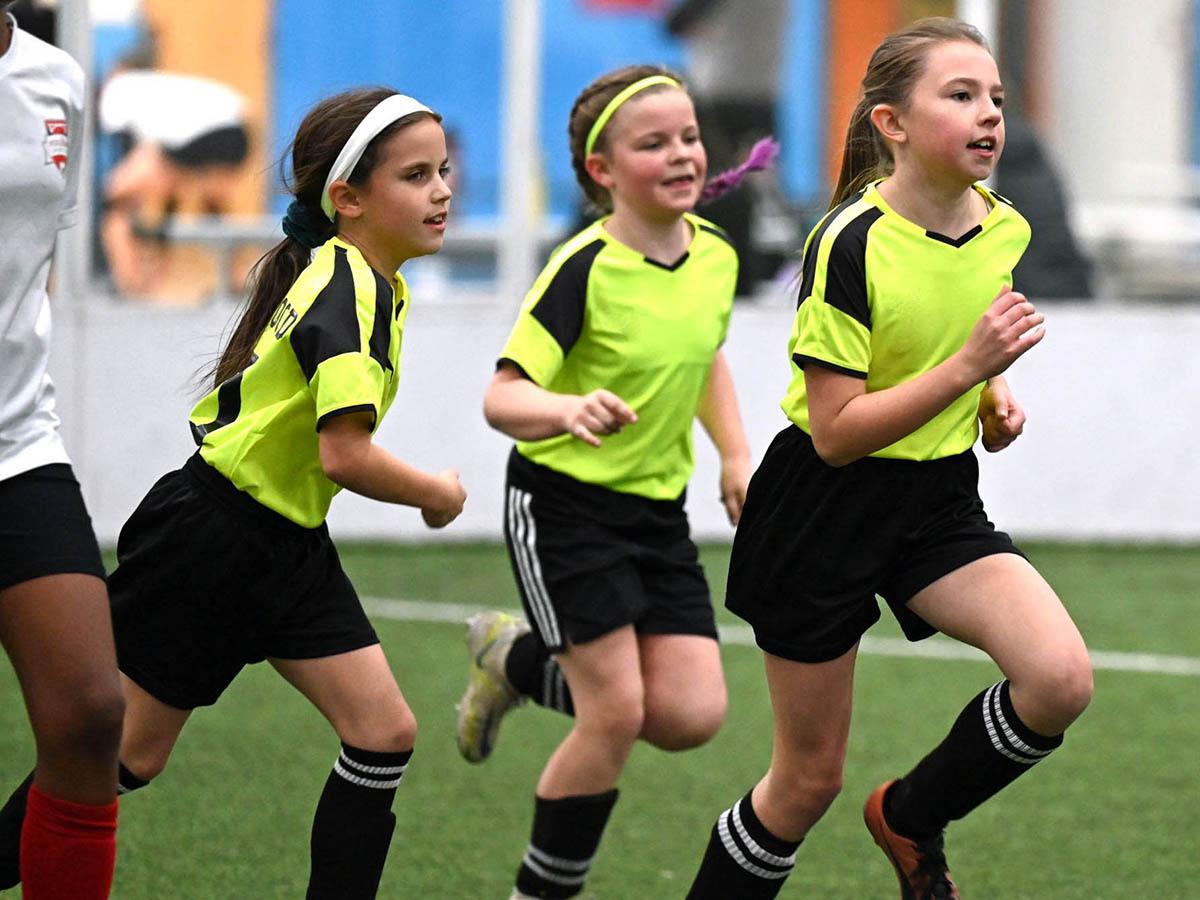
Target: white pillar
<point>984,15</point>
<point>520,153</point>
<point>73,259</point>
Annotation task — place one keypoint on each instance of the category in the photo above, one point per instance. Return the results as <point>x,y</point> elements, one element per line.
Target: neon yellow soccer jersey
<point>331,347</point>
<point>602,315</point>
<point>884,300</point>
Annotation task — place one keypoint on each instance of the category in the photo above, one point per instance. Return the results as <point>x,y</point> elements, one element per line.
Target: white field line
<point>741,635</point>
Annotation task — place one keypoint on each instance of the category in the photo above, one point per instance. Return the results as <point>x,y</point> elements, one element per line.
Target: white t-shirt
<point>41,108</point>
<point>168,109</point>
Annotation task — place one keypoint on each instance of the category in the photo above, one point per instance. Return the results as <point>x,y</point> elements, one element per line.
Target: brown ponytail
<point>321,135</point>
<point>894,68</point>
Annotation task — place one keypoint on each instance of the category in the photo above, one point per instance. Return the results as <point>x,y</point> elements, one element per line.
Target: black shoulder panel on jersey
<point>846,270</point>
<point>560,308</point>
<point>229,407</point>
<point>381,331</point>
<point>719,232</point>
<point>330,326</point>
<point>808,268</point>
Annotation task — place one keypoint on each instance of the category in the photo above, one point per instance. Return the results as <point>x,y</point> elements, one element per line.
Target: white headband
<point>386,112</point>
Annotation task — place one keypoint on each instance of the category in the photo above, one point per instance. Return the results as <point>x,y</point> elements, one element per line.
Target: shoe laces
<point>932,865</point>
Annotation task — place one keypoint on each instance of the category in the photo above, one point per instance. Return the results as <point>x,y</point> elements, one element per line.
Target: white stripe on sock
<point>365,782</point>
<point>990,724</point>
<point>753,846</point>
<point>371,770</point>
<point>532,862</point>
<point>732,849</point>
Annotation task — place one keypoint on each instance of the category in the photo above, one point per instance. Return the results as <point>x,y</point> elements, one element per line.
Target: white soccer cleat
<point>489,695</point>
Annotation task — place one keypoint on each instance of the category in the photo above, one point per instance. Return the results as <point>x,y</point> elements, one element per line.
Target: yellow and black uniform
<point>884,300</point>
<point>228,560</point>
<point>602,315</point>
<point>332,347</point>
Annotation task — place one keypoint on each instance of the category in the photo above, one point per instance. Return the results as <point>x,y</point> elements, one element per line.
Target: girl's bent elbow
<point>830,453</point>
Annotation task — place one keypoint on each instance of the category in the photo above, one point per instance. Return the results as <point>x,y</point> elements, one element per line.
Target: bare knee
<point>394,732</point>
<point>1054,697</point>
<point>84,726</point>
<point>619,717</point>
<point>685,727</point>
<point>794,801</point>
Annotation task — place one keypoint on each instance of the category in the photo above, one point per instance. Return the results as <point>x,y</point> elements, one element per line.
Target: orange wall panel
<point>856,28</point>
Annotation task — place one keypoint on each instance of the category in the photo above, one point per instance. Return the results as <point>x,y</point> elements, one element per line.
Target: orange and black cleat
<point>920,865</point>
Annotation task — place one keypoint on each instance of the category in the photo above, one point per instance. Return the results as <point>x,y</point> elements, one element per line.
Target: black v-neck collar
<point>955,242</point>
<point>670,267</point>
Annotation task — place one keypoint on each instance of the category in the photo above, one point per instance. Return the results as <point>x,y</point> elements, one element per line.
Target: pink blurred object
<point>761,156</point>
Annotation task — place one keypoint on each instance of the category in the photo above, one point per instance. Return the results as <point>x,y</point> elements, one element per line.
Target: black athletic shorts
<point>222,146</point>
<point>815,544</point>
<point>589,560</point>
<point>209,580</point>
<point>45,528</point>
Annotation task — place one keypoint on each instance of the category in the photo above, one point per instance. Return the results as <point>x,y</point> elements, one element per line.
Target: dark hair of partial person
<point>894,69</point>
<point>318,141</point>
<point>587,109</point>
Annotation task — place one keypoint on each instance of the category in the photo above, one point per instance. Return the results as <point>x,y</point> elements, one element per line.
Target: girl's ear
<point>597,166</point>
<point>886,119</point>
<point>345,200</point>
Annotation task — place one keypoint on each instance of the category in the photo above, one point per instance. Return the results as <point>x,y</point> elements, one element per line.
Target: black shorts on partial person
<point>45,528</point>
<point>815,544</point>
<point>589,560</point>
<point>209,580</point>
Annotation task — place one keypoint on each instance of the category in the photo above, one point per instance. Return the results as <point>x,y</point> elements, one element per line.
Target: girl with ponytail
<point>228,561</point>
<point>906,322</point>
<point>615,352</point>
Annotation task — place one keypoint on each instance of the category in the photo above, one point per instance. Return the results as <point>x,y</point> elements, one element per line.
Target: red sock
<point>68,850</point>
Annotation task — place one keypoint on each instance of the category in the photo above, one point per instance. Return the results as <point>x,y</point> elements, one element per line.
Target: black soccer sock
<point>566,833</point>
<point>987,748</point>
<point>352,828</point>
<point>127,781</point>
<point>533,671</point>
<point>12,818</point>
<point>743,859</point>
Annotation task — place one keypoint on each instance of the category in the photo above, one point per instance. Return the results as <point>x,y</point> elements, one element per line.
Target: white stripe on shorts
<point>523,536</point>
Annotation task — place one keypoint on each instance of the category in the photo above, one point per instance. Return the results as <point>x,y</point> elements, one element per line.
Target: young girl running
<point>228,561</point>
<point>906,322</point>
<point>54,619</point>
<point>615,352</point>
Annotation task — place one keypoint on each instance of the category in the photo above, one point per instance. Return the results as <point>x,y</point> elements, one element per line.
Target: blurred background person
<point>734,50</point>
<point>1053,267</point>
<point>186,135</point>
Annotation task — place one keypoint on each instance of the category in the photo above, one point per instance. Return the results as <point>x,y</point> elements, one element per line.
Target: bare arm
<point>528,412</point>
<point>848,423</point>
<point>351,459</point>
<point>719,415</point>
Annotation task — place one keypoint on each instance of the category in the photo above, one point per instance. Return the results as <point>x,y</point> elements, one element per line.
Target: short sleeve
<point>834,315</point>
<point>551,316</point>
<point>338,345</point>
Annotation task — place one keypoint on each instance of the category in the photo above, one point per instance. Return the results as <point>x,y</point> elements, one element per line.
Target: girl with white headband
<point>228,561</point>
<point>616,351</point>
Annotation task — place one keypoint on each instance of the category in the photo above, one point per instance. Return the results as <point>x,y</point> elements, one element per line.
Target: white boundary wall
<point>1113,396</point>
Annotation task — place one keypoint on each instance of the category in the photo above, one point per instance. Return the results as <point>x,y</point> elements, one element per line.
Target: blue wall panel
<point>449,55</point>
<point>802,102</point>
